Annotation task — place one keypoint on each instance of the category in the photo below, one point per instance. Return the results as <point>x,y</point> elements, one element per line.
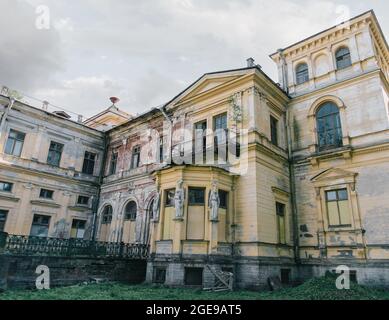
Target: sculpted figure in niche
<point>156,206</point>
<point>179,197</point>
<point>214,202</point>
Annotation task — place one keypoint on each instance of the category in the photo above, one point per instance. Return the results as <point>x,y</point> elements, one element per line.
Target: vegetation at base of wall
<point>314,289</point>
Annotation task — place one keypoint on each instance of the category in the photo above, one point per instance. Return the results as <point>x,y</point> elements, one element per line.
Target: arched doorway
<point>129,224</point>
<point>105,226</point>
<point>148,220</point>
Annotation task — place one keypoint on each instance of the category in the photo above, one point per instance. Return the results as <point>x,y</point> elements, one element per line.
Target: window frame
<point>50,192</point>
<point>107,215</point>
<point>221,206</point>
<point>14,141</point>
<point>321,127</point>
<point>130,216</point>
<point>166,202</point>
<point>82,203</point>
<point>113,162</point>
<point>282,238</point>
<point>40,224</point>
<point>196,203</point>
<point>77,228</point>
<point>6,183</point>
<point>302,76</point>
<point>135,154</point>
<point>88,166</point>
<point>56,152</point>
<point>326,200</point>
<point>3,222</point>
<point>274,125</point>
<point>344,58</point>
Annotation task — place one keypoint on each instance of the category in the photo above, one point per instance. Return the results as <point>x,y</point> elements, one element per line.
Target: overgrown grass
<point>314,289</point>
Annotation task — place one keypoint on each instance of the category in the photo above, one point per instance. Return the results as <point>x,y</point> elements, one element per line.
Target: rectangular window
<point>169,197</point>
<point>46,194</point>
<point>223,196</point>
<point>280,210</point>
<point>193,276</point>
<point>135,158</point>
<point>40,226</point>
<point>159,275</point>
<point>78,229</point>
<point>337,208</point>
<point>15,143</point>
<point>221,136</point>
<point>3,219</point>
<point>200,140</point>
<point>89,163</point>
<point>55,152</point>
<point>274,130</point>
<point>83,200</point>
<point>161,149</point>
<point>6,186</point>
<point>196,196</point>
<point>114,160</point>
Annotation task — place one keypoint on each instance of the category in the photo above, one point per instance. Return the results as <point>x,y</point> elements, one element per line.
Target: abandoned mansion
<point>235,174</point>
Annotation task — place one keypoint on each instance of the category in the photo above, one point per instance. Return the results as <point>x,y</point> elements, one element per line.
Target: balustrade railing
<point>29,245</point>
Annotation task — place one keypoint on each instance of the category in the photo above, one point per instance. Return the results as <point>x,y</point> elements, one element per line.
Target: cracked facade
<point>304,190</point>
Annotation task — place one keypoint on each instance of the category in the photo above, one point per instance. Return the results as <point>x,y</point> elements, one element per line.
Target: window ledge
<point>340,152</point>
<point>8,196</point>
<point>47,203</point>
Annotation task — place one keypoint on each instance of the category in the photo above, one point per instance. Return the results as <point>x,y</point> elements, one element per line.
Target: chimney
<point>45,105</point>
<point>250,63</point>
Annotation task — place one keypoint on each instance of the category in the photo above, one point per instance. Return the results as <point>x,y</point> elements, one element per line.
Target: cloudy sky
<point>145,52</point>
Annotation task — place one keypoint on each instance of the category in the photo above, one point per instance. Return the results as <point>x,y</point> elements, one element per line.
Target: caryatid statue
<point>156,206</point>
<point>179,198</point>
<point>214,202</point>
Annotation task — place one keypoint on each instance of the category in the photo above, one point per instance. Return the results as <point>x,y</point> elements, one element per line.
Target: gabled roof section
<point>213,80</point>
<point>332,174</point>
<point>108,118</point>
<point>368,16</point>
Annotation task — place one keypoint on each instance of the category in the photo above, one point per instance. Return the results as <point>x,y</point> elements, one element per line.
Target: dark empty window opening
<point>46,194</point>
<point>83,200</point>
<point>273,130</point>
<point>5,186</point>
<point>114,160</point>
<point>169,197</point>
<point>159,275</point>
<point>55,153</point>
<point>135,159</point>
<point>196,196</point>
<point>223,196</point>
<point>193,276</point>
<point>285,276</point>
<point>89,163</point>
<point>3,219</point>
<point>130,211</point>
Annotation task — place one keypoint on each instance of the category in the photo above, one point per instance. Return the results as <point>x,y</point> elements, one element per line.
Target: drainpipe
<point>292,190</point>
<point>6,112</point>
<point>284,70</point>
<point>96,201</point>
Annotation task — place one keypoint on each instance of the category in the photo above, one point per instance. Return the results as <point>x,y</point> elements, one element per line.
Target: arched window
<point>343,58</point>
<point>107,215</point>
<point>329,129</point>
<point>302,74</point>
<point>130,210</point>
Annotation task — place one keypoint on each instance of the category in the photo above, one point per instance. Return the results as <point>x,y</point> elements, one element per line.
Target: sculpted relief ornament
<point>214,202</point>
<point>156,206</point>
<point>179,198</point>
